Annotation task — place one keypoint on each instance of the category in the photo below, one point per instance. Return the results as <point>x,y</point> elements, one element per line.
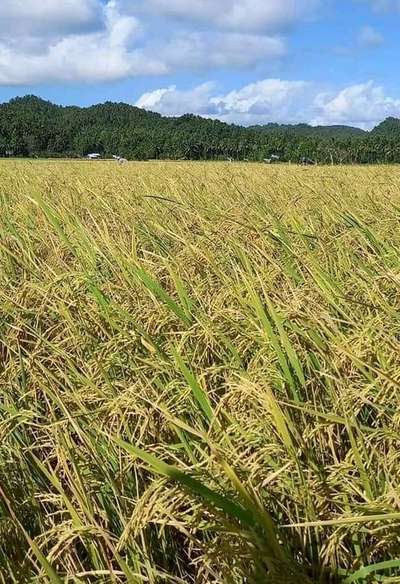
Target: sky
<point>241,61</point>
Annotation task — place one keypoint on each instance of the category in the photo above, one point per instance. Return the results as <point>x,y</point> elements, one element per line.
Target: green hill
<point>389,127</point>
<point>30,126</point>
<point>336,131</point>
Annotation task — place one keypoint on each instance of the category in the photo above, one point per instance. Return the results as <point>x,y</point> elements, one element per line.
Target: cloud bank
<point>276,100</point>
<point>94,41</point>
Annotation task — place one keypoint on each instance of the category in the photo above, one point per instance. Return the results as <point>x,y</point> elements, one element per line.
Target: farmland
<point>199,371</point>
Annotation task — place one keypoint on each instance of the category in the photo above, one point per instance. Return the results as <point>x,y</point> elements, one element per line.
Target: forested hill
<point>30,126</point>
<point>307,130</point>
<point>390,127</point>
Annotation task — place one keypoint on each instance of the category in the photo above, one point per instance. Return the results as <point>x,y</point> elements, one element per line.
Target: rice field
<point>199,373</point>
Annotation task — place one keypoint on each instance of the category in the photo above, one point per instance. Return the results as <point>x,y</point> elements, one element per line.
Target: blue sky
<point>242,61</point>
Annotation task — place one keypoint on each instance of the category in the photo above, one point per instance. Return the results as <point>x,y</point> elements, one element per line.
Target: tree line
<point>32,127</point>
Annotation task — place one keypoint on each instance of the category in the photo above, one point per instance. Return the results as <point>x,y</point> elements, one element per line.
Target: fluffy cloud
<point>278,100</point>
<point>21,17</point>
<point>362,105</point>
<point>267,15</point>
<point>96,41</point>
<point>220,50</point>
<point>172,101</point>
<point>101,55</point>
<point>261,102</point>
<point>266,100</point>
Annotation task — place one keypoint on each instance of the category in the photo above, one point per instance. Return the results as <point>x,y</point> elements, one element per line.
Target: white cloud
<point>369,37</point>
<point>92,41</point>
<point>172,101</point>
<point>33,17</point>
<point>278,100</point>
<point>219,50</point>
<point>362,105</point>
<point>269,100</point>
<point>267,15</point>
<point>103,55</point>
